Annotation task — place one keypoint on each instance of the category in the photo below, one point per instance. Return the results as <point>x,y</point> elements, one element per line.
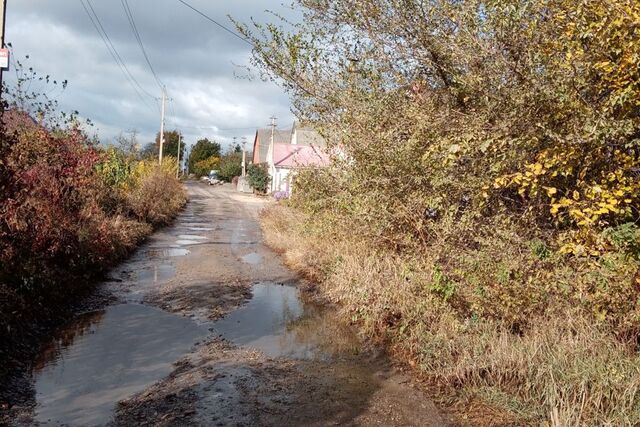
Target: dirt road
<point>207,327</point>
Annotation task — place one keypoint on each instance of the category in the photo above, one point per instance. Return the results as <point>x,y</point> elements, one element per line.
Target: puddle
<point>252,258</point>
<point>276,322</point>
<point>184,242</point>
<point>107,356</point>
<point>148,278</point>
<point>168,252</point>
<point>191,237</point>
<point>200,228</point>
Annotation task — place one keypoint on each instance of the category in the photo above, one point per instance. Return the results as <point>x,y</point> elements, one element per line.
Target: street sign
<point>4,59</point>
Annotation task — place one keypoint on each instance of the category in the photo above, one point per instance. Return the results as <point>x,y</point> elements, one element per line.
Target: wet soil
<point>207,327</point>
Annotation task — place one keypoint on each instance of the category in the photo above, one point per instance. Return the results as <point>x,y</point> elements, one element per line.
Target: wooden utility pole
<point>270,160</point>
<point>3,16</point>
<point>164,97</point>
<point>179,140</point>
<point>244,156</point>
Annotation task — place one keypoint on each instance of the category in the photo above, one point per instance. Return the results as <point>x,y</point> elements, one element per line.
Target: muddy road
<point>205,326</point>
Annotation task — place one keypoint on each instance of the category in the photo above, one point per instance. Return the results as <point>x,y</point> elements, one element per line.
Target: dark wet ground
<point>105,356</point>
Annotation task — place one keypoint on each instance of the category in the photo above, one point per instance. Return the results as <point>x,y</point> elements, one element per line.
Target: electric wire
<point>136,33</point>
<point>228,30</point>
<point>115,51</point>
<point>95,25</point>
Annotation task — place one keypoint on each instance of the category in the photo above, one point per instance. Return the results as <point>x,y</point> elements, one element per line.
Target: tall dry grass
<point>560,370</point>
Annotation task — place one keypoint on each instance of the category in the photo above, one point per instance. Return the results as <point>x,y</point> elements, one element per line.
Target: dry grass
<point>157,198</point>
<point>562,369</point>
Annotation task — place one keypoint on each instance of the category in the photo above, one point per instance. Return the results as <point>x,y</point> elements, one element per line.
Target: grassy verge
<point>560,367</point>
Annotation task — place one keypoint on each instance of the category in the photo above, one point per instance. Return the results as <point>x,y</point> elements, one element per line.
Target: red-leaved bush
<point>56,233</point>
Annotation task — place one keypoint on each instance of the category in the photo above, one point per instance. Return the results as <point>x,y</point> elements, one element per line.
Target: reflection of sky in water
<point>273,323</point>
<point>167,252</point>
<point>191,237</point>
<point>148,278</point>
<point>184,242</point>
<point>114,356</point>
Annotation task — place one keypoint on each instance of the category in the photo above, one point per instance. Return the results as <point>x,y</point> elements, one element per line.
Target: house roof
<point>292,156</point>
<point>263,139</point>
<point>305,135</point>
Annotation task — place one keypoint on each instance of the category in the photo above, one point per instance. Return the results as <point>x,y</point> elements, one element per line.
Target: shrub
<point>230,166</point>
<point>259,178</point>
<point>487,187</point>
<point>203,167</point>
<point>157,195</point>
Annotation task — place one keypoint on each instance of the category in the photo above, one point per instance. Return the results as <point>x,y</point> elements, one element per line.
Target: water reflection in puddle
<point>107,356</point>
<point>150,277</point>
<point>168,252</point>
<point>276,322</point>
<point>252,258</point>
<point>184,242</point>
<point>191,237</point>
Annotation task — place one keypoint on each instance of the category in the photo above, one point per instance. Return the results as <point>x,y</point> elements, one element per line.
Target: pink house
<point>289,151</point>
<point>289,157</point>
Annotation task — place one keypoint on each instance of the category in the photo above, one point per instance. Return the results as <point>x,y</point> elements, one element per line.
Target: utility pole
<point>179,140</point>
<point>3,16</point>
<point>270,160</point>
<point>164,97</point>
<point>244,156</point>
<point>273,126</point>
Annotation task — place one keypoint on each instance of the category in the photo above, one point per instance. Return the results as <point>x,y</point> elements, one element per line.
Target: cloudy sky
<point>194,58</point>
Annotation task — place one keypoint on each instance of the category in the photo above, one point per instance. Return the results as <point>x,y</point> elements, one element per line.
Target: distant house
<point>290,150</point>
<point>263,140</point>
<point>305,148</point>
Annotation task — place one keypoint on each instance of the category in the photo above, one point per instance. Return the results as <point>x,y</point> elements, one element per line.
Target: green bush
<point>230,166</point>
<point>259,178</point>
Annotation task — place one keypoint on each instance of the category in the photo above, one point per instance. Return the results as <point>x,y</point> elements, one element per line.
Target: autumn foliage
<point>489,176</point>
<point>70,209</point>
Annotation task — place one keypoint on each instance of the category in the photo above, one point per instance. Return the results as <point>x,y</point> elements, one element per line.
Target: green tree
<point>230,166</point>
<point>149,151</point>
<point>202,150</point>
<point>203,167</point>
<point>171,141</point>
<point>258,177</point>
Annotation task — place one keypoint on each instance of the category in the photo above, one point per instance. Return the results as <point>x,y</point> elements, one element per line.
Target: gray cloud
<point>193,58</point>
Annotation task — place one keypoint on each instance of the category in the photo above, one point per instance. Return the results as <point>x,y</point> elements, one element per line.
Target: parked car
<point>214,179</point>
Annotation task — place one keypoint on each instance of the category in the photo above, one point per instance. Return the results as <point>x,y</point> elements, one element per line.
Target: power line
<point>228,30</point>
<point>136,33</point>
<point>247,41</point>
<point>114,56</point>
<point>215,128</point>
<point>114,52</point>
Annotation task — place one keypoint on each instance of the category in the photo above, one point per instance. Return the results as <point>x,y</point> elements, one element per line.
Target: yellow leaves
<point>551,191</point>
<point>536,168</point>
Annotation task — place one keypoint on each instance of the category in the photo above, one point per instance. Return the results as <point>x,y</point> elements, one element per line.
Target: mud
<point>208,327</point>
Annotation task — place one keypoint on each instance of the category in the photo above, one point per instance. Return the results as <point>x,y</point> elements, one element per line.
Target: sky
<point>200,64</point>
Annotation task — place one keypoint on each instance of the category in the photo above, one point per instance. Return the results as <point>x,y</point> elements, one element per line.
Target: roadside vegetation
<point>481,214</point>
<point>204,157</point>
<point>70,209</point>
<point>259,178</point>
